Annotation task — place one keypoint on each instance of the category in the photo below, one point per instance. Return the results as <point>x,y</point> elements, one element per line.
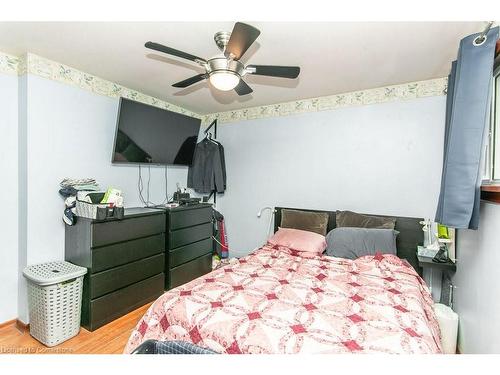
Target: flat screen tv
<point>151,135</point>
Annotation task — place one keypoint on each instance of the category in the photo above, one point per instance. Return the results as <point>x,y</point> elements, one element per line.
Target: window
<point>492,165</point>
<point>495,114</point>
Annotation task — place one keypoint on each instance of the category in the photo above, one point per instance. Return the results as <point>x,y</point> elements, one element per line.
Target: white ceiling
<point>334,57</point>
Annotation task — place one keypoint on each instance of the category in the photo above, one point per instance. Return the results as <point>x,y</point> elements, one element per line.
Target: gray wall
<point>9,196</point>
<point>477,287</point>
<point>383,158</point>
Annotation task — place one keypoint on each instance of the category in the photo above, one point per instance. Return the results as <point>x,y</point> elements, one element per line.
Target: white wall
<point>477,292</point>
<point>70,133</point>
<point>383,158</point>
<point>8,197</point>
<point>22,213</point>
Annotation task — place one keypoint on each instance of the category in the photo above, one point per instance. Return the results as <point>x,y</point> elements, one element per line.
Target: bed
<point>280,300</point>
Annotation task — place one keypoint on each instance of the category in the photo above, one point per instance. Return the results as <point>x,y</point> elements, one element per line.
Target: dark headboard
<point>410,233</point>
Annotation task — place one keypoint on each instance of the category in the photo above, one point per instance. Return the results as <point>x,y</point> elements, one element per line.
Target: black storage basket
<point>98,211</point>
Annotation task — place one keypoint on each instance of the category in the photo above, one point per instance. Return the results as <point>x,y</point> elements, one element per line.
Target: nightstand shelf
<point>426,262</point>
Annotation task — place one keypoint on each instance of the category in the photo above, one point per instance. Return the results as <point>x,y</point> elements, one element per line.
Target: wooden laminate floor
<point>109,339</point>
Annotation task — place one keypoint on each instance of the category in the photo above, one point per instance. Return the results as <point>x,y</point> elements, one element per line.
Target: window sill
<point>491,193</point>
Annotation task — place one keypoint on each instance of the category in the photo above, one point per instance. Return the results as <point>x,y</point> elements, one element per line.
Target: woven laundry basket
<point>54,299</point>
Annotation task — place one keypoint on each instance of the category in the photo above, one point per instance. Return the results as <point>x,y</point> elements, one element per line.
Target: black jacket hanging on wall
<point>208,171</point>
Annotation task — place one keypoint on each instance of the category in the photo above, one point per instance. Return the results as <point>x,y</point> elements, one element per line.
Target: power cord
<point>140,185</point>
<point>225,247</point>
<point>149,181</point>
<point>166,200</point>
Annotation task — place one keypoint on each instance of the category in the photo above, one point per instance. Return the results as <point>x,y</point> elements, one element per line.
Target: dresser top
<point>140,211</point>
<point>185,207</point>
<point>130,212</point>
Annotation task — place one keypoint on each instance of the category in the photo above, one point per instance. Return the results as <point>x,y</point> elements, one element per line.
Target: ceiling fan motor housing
<point>219,64</point>
<point>222,39</point>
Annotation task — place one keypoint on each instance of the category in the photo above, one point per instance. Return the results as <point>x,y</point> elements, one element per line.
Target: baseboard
<point>15,322</point>
<point>22,326</point>
<point>8,323</point>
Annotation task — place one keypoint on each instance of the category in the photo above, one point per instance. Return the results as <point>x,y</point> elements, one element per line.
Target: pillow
<point>299,240</point>
<point>316,222</point>
<point>352,243</point>
<point>353,219</point>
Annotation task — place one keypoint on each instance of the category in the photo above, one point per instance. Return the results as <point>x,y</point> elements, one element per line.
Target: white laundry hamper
<point>54,299</point>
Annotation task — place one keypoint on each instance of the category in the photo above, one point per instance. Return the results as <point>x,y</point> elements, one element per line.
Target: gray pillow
<point>353,219</point>
<point>316,222</point>
<point>352,243</point>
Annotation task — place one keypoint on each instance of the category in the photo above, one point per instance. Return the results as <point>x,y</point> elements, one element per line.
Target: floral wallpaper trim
<point>33,64</point>
<point>412,90</point>
<point>9,64</point>
<point>40,66</point>
<point>59,72</point>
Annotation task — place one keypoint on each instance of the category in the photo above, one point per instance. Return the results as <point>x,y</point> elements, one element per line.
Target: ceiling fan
<point>224,71</point>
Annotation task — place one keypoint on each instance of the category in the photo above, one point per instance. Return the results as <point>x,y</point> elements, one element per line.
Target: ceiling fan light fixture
<point>224,80</point>
<point>225,71</point>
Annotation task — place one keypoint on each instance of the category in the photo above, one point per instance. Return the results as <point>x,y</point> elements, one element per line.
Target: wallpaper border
<point>9,64</point>
<point>405,91</point>
<point>43,67</point>
<point>46,68</point>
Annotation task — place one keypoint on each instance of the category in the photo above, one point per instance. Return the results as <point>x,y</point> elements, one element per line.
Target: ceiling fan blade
<point>190,81</point>
<point>243,88</point>
<point>242,37</point>
<point>174,52</point>
<point>274,71</point>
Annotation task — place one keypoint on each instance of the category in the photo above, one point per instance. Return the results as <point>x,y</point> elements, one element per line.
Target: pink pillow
<point>299,240</point>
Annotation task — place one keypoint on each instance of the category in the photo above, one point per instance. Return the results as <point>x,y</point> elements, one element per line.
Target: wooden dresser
<point>125,261</point>
<point>189,244</point>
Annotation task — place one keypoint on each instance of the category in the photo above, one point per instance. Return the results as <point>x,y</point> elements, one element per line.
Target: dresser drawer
<point>120,253</point>
<point>186,253</point>
<point>119,277</point>
<point>105,233</point>
<point>111,306</point>
<point>188,218</point>
<point>189,235</point>
<point>190,270</point>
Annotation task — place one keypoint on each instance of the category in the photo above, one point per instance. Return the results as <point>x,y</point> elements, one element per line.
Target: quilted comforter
<point>278,300</point>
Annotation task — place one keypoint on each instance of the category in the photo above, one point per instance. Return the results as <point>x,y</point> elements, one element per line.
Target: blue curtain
<point>467,120</point>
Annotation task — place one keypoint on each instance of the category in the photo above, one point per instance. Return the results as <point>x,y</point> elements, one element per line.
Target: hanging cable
<point>166,200</point>
<point>140,187</point>
<point>149,182</point>
<point>225,247</point>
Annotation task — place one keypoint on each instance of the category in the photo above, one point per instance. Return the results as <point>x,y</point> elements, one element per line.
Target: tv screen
<point>151,135</point>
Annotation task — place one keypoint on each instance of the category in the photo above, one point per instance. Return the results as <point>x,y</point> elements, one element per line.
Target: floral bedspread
<point>278,300</point>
